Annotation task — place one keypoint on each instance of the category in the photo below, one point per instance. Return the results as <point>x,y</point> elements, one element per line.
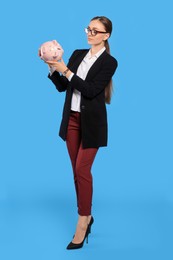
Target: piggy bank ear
<point>54,42</point>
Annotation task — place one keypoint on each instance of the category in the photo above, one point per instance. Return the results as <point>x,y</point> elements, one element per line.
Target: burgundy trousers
<point>81,160</point>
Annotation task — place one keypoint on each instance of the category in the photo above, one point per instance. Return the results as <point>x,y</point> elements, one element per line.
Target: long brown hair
<point>108,27</point>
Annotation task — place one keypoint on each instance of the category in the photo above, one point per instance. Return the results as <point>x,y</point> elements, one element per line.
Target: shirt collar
<point>97,54</point>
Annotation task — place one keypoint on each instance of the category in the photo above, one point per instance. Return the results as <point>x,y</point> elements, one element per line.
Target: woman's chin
<point>89,42</point>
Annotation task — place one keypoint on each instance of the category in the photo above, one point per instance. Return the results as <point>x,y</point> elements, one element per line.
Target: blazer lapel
<point>74,66</point>
<point>96,66</point>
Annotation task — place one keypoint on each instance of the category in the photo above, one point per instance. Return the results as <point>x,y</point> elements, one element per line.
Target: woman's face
<point>99,38</point>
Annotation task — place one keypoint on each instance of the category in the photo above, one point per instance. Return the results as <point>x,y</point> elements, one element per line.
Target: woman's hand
<point>58,65</point>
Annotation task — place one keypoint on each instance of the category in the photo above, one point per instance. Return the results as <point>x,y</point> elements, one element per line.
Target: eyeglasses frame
<point>91,30</point>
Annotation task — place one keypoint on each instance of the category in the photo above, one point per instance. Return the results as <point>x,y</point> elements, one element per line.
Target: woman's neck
<point>96,48</point>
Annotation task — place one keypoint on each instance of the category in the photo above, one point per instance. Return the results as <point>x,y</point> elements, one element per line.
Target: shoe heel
<point>87,239</point>
<point>90,224</point>
<point>89,230</point>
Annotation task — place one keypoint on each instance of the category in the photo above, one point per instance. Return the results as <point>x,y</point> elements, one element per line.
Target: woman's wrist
<point>68,74</point>
<point>65,71</point>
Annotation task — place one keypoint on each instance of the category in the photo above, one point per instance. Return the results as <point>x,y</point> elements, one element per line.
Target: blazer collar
<point>78,60</point>
<point>96,66</point>
<point>80,57</point>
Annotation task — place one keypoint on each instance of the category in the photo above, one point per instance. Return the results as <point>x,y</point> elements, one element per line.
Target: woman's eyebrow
<point>93,28</point>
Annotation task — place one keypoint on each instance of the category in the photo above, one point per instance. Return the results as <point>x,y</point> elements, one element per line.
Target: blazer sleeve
<point>90,88</point>
<point>59,81</point>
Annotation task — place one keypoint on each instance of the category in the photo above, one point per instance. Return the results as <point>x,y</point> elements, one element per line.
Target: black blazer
<point>93,108</point>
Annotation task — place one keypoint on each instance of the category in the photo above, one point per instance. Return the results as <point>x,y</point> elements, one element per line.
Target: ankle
<point>83,222</point>
<point>89,218</point>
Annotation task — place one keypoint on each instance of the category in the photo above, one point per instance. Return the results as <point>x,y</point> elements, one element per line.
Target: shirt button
<point>83,107</point>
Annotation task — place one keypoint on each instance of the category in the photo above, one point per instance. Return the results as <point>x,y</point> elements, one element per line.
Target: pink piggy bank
<point>51,50</point>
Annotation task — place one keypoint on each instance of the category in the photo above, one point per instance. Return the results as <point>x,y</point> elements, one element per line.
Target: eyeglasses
<point>93,32</point>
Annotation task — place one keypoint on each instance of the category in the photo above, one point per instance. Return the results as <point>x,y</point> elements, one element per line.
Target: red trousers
<point>82,160</point>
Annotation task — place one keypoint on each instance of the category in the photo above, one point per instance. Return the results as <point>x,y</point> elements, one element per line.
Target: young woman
<point>87,82</point>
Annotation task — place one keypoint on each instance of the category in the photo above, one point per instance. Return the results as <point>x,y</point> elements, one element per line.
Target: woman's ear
<point>107,35</point>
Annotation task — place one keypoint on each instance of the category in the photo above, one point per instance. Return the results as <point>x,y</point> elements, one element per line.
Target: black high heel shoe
<point>90,223</point>
<point>80,245</point>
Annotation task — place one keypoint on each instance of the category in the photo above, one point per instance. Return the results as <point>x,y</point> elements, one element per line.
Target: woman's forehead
<point>96,24</point>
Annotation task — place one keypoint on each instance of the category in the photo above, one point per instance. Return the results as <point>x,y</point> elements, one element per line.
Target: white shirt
<point>82,71</point>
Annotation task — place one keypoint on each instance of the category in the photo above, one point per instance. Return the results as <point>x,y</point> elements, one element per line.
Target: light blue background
<point>133,196</point>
